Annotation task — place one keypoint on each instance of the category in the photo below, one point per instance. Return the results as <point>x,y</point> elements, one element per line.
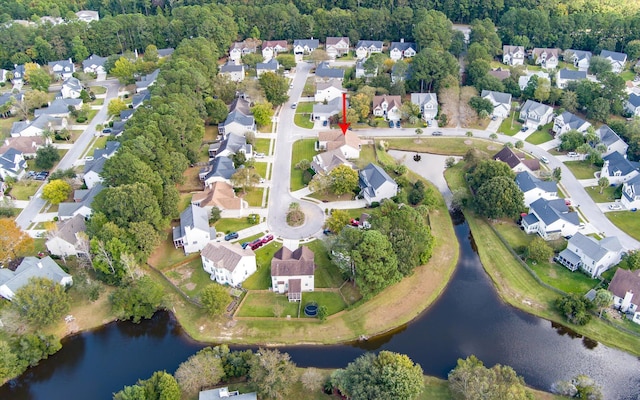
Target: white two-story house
<point>228,263</point>
<point>534,114</point>
<point>625,287</point>
<point>194,231</point>
<point>631,194</point>
<point>534,188</point>
<point>590,255</point>
<point>513,55</point>
<point>551,219</point>
<point>292,272</point>
<point>428,103</point>
<point>388,107</point>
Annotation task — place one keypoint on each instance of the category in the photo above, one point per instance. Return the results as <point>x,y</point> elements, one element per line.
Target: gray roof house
<point>12,164</point>
<point>239,120</point>
<point>59,108</point>
<point>375,184</point>
<point>62,69</point>
<point>592,256</point>
<point>501,102</point>
<point>567,121</point>
<point>551,219</point>
<point>327,161</point>
<point>146,81</point>
<point>162,53</point>
<point>224,393</point>
<point>126,114</point>
<point>361,71</point>
<point>71,88</point>
<point>428,103</point>
<point>305,46</point>
<point>94,64</point>
<point>235,72</point>
<point>81,205</point>
<point>65,240</point>
<point>564,76</point>
<point>18,73</point>
<point>534,188</point>
<point>402,49</point>
<point>616,59</point>
<point>618,169</point>
<point>139,98</point>
<point>534,114</point>
<point>632,106</point>
<point>234,144</point>
<point>117,128</point>
<point>323,112</point>
<point>579,58</point>
<point>625,287</point>
<point>364,48</point>
<point>37,126</point>
<point>219,169</point>
<point>325,72</point>
<point>270,66</point>
<point>631,193</point>
<point>194,231</point>
<point>93,168</point>
<point>611,140</point>
<point>31,267</point>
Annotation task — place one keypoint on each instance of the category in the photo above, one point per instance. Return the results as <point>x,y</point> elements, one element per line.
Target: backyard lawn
<point>628,221</point>
<point>539,137</point>
<point>582,169</point>
<point>327,275</point>
<point>560,277</point>
<point>506,126</point>
<point>24,189</point>
<point>227,225</point>
<point>332,300</point>
<point>628,75</point>
<point>608,194</point>
<point>263,304</point>
<point>191,278</point>
<point>302,150</point>
<point>166,255</point>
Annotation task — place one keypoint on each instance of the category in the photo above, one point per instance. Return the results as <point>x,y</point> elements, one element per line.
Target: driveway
<point>431,167</point>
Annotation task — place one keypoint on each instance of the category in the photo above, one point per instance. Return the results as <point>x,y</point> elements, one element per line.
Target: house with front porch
<point>618,169</point>
<point>194,231</point>
<point>62,69</point>
<point>31,267</point>
<point>501,102</point>
<point>336,46</point>
<point>375,184</point>
<point>365,48</point>
<point>233,71</point>
<point>387,106</point>
<point>567,121</point>
<point>579,58</point>
<point>617,60</point>
<point>328,91</point>
<point>271,48</point>
<point>551,219</point>
<point>302,47</point>
<point>65,241</point>
<point>534,114</point>
<point>631,194</point>
<point>513,55</point>
<point>625,288</point>
<point>534,188</point>
<point>590,255</point>
<point>611,140</point>
<point>401,50</point>
<point>234,144</point>
<point>546,58</point>
<point>292,272</point>
<point>428,104</point>
<point>228,263</point>
<point>94,65</point>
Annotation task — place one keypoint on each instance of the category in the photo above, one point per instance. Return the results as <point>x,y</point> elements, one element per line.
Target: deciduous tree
<point>499,197</point>
<point>273,373</point>
<point>46,157</point>
<point>116,106</point>
<point>262,112</point>
<point>603,183</point>
<point>245,178</point>
<point>275,88</point>
<point>215,299</point>
<point>603,300</point>
<point>137,300</point>
<point>200,370</point>
<point>39,79</point>
<point>13,241</point>
<point>338,220</point>
<point>56,191</point>
<point>123,69</point>
<point>41,301</point>
<point>344,179</point>
<point>376,264</point>
<point>488,169</point>
<point>161,386</point>
<point>471,380</point>
<point>538,250</point>
<point>575,308</point>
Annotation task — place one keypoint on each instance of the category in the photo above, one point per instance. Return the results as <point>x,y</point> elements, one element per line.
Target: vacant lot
<point>628,221</point>
<point>582,169</point>
<point>302,150</point>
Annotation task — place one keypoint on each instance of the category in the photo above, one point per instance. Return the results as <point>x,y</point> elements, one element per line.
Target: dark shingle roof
<point>550,211</point>
<point>325,71</point>
<point>626,281</point>
<point>374,176</point>
<point>526,182</point>
<point>617,163</point>
<point>572,74</point>
<point>288,263</point>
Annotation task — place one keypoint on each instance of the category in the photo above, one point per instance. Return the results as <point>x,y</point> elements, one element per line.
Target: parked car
<point>107,130</point>
<point>244,245</point>
<point>567,202</point>
<point>390,124</point>
<point>41,176</point>
<point>88,158</point>
<point>494,118</point>
<point>255,244</point>
<point>325,123</point>
<point>259,155</point>
<point>397,124</point>
<point>231,236</point>
<point>294,105</point>
<point>267,239</point>
<point>354,222</point>
<point>572,154</point>
<point>436,133</point>
<point>327,232</point>
<point>615,206</point>
<point>544,159</point>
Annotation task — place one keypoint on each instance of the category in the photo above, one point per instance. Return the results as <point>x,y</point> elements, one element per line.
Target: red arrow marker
<point>344,125</point>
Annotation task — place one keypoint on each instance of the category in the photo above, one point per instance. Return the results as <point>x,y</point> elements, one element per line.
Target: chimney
<point>401,40</point>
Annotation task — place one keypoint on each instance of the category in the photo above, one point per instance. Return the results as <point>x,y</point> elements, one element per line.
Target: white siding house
<point>292,272</point>
<point>593,257</point>
<point>228,263</point>
<point>31,267</point>
<point>194,231</point>
<point>625,287</point>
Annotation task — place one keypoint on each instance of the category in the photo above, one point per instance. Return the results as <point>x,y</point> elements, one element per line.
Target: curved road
<point>28,214</point>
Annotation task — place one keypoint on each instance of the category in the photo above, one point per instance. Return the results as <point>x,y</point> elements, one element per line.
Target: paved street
<point>29,213</point>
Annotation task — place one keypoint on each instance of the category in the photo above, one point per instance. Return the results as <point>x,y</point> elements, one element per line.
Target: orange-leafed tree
<point>13,241</point>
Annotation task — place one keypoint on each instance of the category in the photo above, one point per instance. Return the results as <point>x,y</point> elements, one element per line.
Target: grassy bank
<point>443,145</point>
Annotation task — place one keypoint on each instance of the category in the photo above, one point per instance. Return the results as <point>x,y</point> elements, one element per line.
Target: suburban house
<point>94,65</point>
<point>428,103</point>
<point>632,106</point>
<point>218,169</point>
<point>268,66</point>
<point>617,169</point>
<point>31,267</point>
<point>501,102</point>
<point>147,81</point>
<point>51,20</point>
<point>611,140</point>
<point>292,272</point>
<point>81,204</point>
<point>18,74</point>
<point>617,60</point>
<point>400,72</point>
<point>364,48</point>
<point>348,143</point>
<point>88,16</point>
<point>387,106</point>
<point>62,69</point>
<point>71,88</point>
<point>500,73</point>
<point>523,81</point>
<point>400,50</point>
<point>517,160</point>
<point>325,73</point>
<point>139,98</point>
<point>336,46</point>
<point>564,76</point>
<point>239,49</point>
<point>323,112</point>
<point>38,126</point>
<point>534,188</point>
<point>222,196</point>
<point>579,58</point>
<point>235,72</point>
<point>224,393</point>
<point>304,46</point>
<point>375,184</point>
<point>12,164</point>
<point>228,263</point>
<point>93,168</point>
<point>327,91</point>
<point>164,53</point>
<point>194,231</point>
<point>234,144</point>
<point>59,108</point>
<point>546,58</point>
<point>126,114</point>
<point>551,219</point>
<point>64,241</point>
<point>590,255</point>
<point>361,71</point>
<point>8,101</point>
<point>567,121</point>
<point>324,163</point>
<point>631,194</point>
<point>27,145</point>
<point>271,48</point>
<point>513,55</point>
<point>534,114</point>
<point>239,120</point>
<point>625,287</point>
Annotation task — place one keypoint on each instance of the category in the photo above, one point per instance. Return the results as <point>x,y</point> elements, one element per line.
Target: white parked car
<point>615,206</point>
<point>544,160</point>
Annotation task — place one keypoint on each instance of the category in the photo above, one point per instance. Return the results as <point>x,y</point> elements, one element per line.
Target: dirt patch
<point>492,148</point>
<point>190,286</point>
<point>468,142</point>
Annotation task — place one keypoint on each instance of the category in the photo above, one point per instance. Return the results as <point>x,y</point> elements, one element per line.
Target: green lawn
<point>517,239</point>
<point>539,137</point>
<point>608,194</point>
<point>254,197</point>
<point>332,300</point>
<point>305,107</point>
<point>24,189</point>
<point>303,120</point>
<point>582,169</point>
<point>560,277</point>
<point>628,75</point>
<point>302,149</point>
<point>97,102</point>
<point>261,169</point>
<point>262,304</point>
<point>259,280</point>
<point>185,200</point>
<point>193,277</point>
<point>98,143</point>
<point>505,126</point>
<point>628,221</point>
<point>327,275</point>
<point>98,89</point>
<point>262,146</point>
<point>227,225</point>
<point>165,255</point>
<point>442,145</point>
<point>367,155</point>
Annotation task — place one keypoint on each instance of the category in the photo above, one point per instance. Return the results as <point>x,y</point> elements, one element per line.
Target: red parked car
<point>267,239</point>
